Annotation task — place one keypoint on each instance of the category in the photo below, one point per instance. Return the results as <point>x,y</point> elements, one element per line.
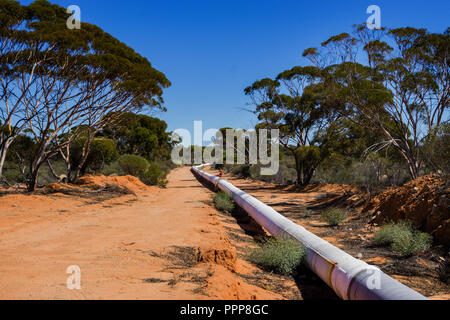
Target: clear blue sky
<point>211,50</point>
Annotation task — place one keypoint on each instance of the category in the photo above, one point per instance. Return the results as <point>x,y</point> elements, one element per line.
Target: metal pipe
<point>350,278</point>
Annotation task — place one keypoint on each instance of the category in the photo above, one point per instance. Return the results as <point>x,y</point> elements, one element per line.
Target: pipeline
<point>350,278</point>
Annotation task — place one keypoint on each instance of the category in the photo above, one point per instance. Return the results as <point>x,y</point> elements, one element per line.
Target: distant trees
<point>297,104</point>
<point>366,92</point>
<point>64,85</point>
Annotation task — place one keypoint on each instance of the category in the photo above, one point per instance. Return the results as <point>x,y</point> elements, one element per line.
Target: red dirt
<point>137,242</point>
<point>125,184</point>
<point>425,202</point>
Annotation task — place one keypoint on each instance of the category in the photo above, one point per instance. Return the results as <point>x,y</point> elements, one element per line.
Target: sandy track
<point>126,248</point>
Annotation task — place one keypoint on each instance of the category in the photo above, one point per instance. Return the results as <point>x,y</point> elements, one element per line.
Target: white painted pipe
<point>350,278</point>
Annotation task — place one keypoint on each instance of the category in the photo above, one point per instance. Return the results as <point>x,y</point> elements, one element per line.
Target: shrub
<point>133,165</point>
<point>422,241</point>
<point>241,170</point>
<point>223,201</point>
<point>403,239</point>
<point>279,255</point>
<point>154,176</point>
<point>387,234</point>
<point>308,212</point>
<point>112,169</point>
<point>102,152</point>
<point>334,216</point>
<point>409,244</point>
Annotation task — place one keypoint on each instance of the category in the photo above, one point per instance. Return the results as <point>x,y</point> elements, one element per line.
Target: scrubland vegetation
<point>370,109</point>
<point>403,238</point>
<point>279,255</point>
<point>223,201</point>
<point>334,216</point>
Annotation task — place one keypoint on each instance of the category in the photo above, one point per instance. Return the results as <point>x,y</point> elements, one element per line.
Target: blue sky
<point>211,50</point>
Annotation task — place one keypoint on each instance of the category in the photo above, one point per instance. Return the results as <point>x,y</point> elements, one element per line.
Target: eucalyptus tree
<point>18,64</point>
<point>88,76</point>
<point>396,82</point>
<point>297,103</point>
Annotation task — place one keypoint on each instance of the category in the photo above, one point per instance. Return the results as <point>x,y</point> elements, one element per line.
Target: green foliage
<point>141,135</point>
<point>242,171</point>
<point>286,174</point>
<point>112,169</point>
<point>364,104</point>
<point>133,165</point>
<point>373,172</point>
<point>223,201</point>
<point>299,106</point>
<point>387,234</point>
<point>403,238</point>
<point>334,216</point>
<point>307,159</point>
<point>101,152</point>
<point>437,150</point>
<point>279,255</point>
<point>154,176</point>
<point>13,175</point>
<point>82,70</point>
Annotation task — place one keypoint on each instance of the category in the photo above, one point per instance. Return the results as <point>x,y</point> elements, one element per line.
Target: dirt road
<point>162,244</point>
<point>304,205</point>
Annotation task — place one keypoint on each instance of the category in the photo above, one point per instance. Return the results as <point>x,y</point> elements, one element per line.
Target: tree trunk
<point>32,181</point>
<point>413,169</point>
<point>304,175</point>
<point>84,155</point>
<point>2,160</point>
<point>298,169</point>
<point>52,170</point>
<point>413,165</point>
<point>34,170</point>
<point>308,177</point>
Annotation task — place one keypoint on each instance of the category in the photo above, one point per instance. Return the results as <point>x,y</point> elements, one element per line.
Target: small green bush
<point>112,169</point>
<point>102,152</point>
<point>334,216</point>
<point>403,239</point>
<point>308,212</point>
<point>133,165</point>
<point>241,170</point>
<point>387,234</point>
<point>279,255</point>
<point>422,241</point>
<point>223,201</point>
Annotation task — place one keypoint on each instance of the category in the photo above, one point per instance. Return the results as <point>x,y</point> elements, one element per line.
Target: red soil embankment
<point>425,202</point>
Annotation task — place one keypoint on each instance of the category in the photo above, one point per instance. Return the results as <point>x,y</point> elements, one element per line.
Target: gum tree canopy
<point>396,82</point>
<point>297,103</point>
<point>58,84</point>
